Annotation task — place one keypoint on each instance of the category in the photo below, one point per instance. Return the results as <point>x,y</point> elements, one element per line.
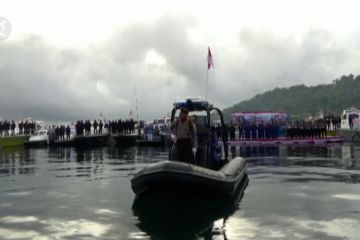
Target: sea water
<point>293,192</point>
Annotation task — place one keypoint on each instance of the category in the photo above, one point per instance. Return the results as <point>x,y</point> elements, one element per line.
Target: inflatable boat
<point>212,173</point>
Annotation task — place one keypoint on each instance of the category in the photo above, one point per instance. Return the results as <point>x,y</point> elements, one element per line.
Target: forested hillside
<point>305,101</point>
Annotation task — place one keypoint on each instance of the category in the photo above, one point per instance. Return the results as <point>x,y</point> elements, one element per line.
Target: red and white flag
<point>210,60</point>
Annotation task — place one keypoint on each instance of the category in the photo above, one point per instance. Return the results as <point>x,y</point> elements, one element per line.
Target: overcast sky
<point>69,60</point>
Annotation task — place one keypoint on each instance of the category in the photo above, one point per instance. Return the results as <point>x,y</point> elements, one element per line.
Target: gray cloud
<point>48,83</point>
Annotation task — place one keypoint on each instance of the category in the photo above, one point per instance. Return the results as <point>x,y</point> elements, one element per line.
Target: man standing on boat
<point>183,134</point>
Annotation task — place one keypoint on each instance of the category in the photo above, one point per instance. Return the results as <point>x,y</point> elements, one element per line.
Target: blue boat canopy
<point>194,104</point>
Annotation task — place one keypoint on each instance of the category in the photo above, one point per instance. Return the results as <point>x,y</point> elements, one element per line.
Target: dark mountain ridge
<point>304,101</point>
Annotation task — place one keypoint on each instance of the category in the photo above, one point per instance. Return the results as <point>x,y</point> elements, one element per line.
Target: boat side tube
<point>179,177</point>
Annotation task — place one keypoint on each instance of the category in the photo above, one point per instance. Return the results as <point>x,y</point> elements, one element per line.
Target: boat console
<point>201,112</point>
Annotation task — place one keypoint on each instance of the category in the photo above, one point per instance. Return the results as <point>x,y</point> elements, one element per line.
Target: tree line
<point>302,101</point>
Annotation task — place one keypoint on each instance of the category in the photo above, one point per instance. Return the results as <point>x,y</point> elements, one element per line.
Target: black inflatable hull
<point>172,177</point>
<point>161,217</point>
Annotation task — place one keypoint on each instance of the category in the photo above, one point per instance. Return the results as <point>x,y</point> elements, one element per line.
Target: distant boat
<point>38,139</point>
<point>347,118</point>
<point>151,134</point>
<point>126,139</point>
<point>163,124</point>
<point>350,125</point>
<point>85,141</point>
<point>81,141</point>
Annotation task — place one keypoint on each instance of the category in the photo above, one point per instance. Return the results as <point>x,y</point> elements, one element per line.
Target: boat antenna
<point>136,104</point>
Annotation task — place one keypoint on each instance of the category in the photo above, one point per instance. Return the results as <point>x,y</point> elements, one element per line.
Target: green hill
<point>305,101</point>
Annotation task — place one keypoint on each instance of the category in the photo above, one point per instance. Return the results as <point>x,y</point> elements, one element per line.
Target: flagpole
<point>136,106</point>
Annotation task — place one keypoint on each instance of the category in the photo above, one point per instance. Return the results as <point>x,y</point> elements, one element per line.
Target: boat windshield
<point>42,132</point>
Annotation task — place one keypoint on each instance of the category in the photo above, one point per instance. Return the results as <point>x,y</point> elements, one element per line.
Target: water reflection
<point>77,162</point>
<point>139,154</point>
<point>31,227</point>
<point>355,156</point>
<point>60,153</point>
<point>326,151</point>
<point>181,218</point>
<point>71,193</point>
<point>70,162</point>
<point>14,161</point>
<point>332,155</point>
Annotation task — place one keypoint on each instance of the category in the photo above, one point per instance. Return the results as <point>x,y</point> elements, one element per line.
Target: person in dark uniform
<point>100,127</point>
<point>68,132</point>
<point>247,131</point>
<point>260,129</point>
<point>183,134</point>
<point>21,127</point>
<point>12,127</point>
<point>95,126</point>
<point>241,130</point>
